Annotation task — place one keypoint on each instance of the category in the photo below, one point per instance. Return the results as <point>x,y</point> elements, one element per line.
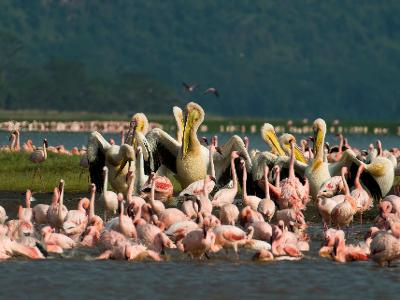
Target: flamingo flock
<point>232,200</point>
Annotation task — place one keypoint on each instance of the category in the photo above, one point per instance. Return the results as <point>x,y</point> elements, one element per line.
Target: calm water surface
<point>69,139</point>
<point>78,276</point>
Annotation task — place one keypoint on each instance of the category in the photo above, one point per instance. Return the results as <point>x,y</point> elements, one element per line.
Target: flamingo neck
<point>244,182</point>
<point>17,146</point>
<point>45,150</point>
<point>341,144</point>
<point>28,199</point>
<point>278,178</point>
<point>291,165</point>
<point>357,183</point>
<point>234,175</point>
<point>267,196</point>
<point>105,183</point>
<point>212,162</point>
<point>61,204</point>
<point>205,192</point>
<point>12,143</point>
<point>91,205</point>
<point>346,186</point>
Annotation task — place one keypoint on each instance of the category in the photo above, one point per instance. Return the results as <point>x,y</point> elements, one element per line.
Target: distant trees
<point>268,58</point>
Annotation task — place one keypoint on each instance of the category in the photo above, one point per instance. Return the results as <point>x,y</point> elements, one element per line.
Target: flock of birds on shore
<point>209,215</point>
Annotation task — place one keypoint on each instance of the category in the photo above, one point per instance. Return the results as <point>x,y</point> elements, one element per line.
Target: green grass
<point>16,173</point>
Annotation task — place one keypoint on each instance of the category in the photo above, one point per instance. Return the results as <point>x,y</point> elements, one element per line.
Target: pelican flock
<point>181,194</point>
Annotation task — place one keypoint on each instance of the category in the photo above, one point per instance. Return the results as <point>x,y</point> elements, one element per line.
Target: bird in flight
<point>212,90</point>
<point>189,87</point>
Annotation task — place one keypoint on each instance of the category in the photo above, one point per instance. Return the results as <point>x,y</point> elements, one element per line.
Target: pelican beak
<point>131,130</point>
<point>186,133</point>
<point>298,154</point>
<point>218,149</point>
<point>270,136</point>
<point>121,167</point>
<point>317,140</point>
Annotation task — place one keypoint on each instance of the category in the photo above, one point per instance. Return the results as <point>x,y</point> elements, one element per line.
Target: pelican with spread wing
<point>118,159</point>
<point>189,159</point>
<point>377,178</point>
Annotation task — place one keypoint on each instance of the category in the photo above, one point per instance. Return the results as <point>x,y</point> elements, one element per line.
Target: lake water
<point>223,277</point>
<point>69,139</point>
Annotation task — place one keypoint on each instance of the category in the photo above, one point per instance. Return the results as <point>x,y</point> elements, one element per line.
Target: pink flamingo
<point>262,230</point>
<point>153,237</point>
<point>9,248</point>
<point>126,226</point>
<point>330,188</point>
<point>57,211</point>
<point>229,214</point>
<point>204,201</point>
<point>3,215</point>
<point>385,246</point>
<point>228,236</point>
<point>116,246</point>
<point>248,215</point>
<point>342,214</point>
<point>291,192</point>
<point>76,220</point>
<point>167,216</point>
<point>28,146</point>
<point>280,245</point>
<point>292,217</point>
<point>92,233</point>
<point>57,239</point>
<point>266,206</point>
<point>342,253</point>
<point>40,210</point>
<point>179,230</point>
<point>39,156</point>
<point>227,195</point>
<point>26,214</point>
<point>363,199</point>
<point>248,200</point>
<point>197,242</point>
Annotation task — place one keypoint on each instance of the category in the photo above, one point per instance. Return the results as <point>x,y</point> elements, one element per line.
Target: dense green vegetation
<point>271,59</point>
<point>16,173</point>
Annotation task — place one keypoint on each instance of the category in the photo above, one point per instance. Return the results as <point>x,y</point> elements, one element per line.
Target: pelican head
<point>140,123</point>
<point>269,136</point>
<point>178,114</point>
<point>285,141</point>
<point>193,117</point>
<point>319,128</point>
<point>126,156</point>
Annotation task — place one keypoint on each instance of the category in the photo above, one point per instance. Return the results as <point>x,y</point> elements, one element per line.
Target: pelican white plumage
<point>116,158</point>
<point>189,160</point>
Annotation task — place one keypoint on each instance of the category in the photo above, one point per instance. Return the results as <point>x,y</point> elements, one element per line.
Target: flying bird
<point>212,90</point>
<point>189,87</point>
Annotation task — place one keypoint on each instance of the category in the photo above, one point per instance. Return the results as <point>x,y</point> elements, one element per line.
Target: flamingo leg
<point>41,178</point>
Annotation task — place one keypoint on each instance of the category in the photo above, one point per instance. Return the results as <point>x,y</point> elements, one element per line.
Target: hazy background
<point>272,59</point>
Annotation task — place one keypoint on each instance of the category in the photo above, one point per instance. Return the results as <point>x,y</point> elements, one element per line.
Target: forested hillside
<point>268,58</point>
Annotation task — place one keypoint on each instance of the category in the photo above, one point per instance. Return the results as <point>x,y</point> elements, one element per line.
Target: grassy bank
<point>16,173</point>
